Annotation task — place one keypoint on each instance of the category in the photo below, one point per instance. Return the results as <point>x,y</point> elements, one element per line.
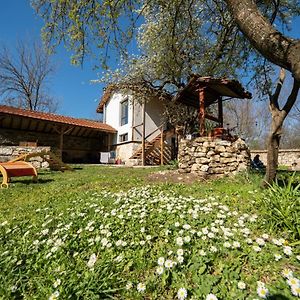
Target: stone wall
<point>286,157</point>
<point>207,156</point>
<point>10,152</point>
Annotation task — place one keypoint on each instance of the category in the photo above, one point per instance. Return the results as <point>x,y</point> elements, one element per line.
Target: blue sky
<point>70,85</point>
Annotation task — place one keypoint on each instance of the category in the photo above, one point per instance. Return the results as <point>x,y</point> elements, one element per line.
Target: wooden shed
<point>76,140</point>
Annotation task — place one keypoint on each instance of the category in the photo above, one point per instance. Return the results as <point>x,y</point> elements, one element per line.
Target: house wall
<point>153,118</point>
<point>112,116</point>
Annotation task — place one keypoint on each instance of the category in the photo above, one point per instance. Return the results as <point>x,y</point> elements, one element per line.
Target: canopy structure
<point>201,92</point>
<point>76,140</point>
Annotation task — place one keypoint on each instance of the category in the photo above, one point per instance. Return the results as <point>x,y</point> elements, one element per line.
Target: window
<point>123,137</point>
<point>124,112</point>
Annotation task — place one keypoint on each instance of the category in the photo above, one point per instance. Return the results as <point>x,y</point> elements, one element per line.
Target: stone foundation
<point>207,156</point>
<point>10,152</point>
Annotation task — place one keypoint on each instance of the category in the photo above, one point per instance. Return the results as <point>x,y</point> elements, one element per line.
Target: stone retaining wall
<point>10,152</point>
<point>207,156</point>
<point>286,157</point>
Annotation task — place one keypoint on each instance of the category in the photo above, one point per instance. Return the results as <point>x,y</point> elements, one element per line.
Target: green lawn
<point>108,233</point>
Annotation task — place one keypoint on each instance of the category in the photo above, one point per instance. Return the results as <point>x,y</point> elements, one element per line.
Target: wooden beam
<point>212,118</point>
<point>202,111</point>
<point>162,145</point>
<point>220,111</point>
<point>143,132</point>
<point>61,130</point>
<point>133,120</point>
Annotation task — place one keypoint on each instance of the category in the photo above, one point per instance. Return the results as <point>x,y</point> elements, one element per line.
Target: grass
<point>106,233</point>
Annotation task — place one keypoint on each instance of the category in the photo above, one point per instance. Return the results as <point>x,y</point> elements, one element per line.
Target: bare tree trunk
<point>273,150</point>
<point>278,117</point>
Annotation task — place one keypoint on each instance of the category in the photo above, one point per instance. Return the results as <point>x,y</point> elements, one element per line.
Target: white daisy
<point>182,293</point>
<point>159,270</point>
<point>211,297</point>
<point>262,292</point>
<point>92,260</point>
<point>241,285</point>
<point>168,263</point>
<point>161,261</point>
<point>141,287</point>
<point>54,296</point>
<point>180,252</point>
<point>295,290</point>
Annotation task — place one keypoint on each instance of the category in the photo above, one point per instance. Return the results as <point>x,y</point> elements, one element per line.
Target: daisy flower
<point>260,241</point>
<point>211,297</point>
<point>295,290</point>
<point>141,287</point>
<point>159,270</point>
<point>256,248</point>
<point>262,292</point>
<point>54,296</point>
<point>92,260</point>
<point>292,281</point>
<point>179,241</point>
<point>287,273</point>
<point>56,283</point>
<point>277,257</point>
<point>241,285</point>
<point>169,264</point>
<point>287,250</point>
<point>180,252</point>
<point>128,285</point>
<point>161,261</point>
<point>182,293</point>
<point>180,259</point>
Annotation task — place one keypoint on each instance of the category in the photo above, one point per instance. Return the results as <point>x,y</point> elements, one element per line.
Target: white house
<point>134,120</point>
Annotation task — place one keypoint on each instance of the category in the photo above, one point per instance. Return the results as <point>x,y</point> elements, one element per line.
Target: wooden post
<point>143,133</point>
<point>202,111</point>
<point>162,145</point>
<point>133,120</point>
<point>61,142</point>
<point>61,130</point>
<point>220,112</point>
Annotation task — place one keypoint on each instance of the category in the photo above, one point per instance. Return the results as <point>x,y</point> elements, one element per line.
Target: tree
<point>280,50</point>
<point>248,119</point>
<point>23,78</point>
<point>220,38</point>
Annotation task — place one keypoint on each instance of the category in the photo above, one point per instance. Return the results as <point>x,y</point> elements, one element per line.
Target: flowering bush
<point>147,243</point>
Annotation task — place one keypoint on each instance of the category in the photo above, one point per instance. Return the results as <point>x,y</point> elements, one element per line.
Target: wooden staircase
<point>153,150</point>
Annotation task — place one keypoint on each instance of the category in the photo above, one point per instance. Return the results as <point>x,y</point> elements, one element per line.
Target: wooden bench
<point>16,169</point>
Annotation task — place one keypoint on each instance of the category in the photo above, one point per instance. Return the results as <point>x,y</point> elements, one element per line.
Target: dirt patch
<point>175,177</point>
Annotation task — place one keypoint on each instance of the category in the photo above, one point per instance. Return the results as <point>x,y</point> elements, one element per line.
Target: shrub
<point>282,206</point>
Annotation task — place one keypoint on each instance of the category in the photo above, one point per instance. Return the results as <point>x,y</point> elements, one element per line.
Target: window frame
<point>124,112</point>
<point>123,137</point>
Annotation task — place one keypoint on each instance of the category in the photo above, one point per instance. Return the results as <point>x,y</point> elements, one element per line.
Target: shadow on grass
<point>278,297</point>
<point>30,181</point>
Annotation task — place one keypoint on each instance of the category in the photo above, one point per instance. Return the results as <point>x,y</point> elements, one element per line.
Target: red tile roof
<point>55,118</point>
<point>108,91</point>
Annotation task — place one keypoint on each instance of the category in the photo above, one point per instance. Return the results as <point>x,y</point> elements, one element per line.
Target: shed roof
<point>215,88</point>
<point>59,119</point>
